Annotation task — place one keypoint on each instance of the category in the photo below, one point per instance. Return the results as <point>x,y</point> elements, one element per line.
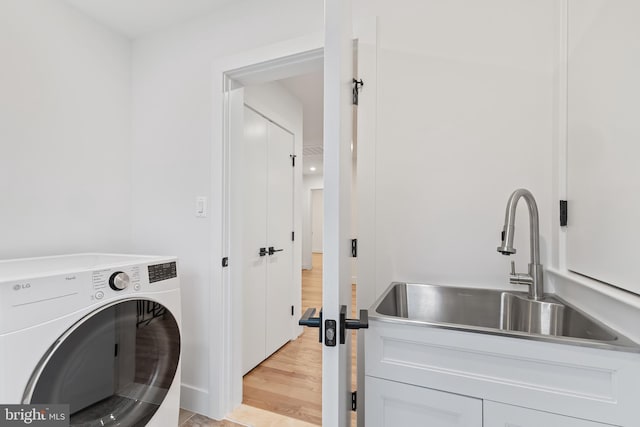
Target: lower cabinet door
<point>501,415</point>
<point>392,404</point>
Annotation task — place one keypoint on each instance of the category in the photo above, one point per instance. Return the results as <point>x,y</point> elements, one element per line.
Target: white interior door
<point>254,232</point>
<point>267,206</point>
<point>336,286</point>
<point>279,229</point>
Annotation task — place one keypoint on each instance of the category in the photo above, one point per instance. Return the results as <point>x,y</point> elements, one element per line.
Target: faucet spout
<point>534,278</point>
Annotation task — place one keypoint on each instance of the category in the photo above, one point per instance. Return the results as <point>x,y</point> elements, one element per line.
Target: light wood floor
<point>290,381</point>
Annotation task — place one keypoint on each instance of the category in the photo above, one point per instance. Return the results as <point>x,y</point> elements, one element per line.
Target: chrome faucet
<point>534,277</point>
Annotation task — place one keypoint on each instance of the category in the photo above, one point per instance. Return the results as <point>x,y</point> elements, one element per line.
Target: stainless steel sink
<point>496,312</point>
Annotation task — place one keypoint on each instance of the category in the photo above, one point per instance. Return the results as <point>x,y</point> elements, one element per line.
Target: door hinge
<point>292,310</point>
<point>563,213</point>
<point>354,248</point>
<point>293,236</point>
<point>293,160</point>
<point>357,86</point>
<point>354,401</point>
<point>225,262</point>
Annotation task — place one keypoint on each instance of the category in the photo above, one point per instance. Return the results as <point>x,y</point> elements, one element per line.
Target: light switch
<point>201,206</point>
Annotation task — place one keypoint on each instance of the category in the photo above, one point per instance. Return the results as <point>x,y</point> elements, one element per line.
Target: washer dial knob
<point>119,281</point>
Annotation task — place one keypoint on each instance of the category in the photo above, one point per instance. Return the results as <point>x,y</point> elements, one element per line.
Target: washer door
<point>114,367</point>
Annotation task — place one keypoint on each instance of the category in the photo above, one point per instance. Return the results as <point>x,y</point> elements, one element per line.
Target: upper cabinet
<point>604,140</point>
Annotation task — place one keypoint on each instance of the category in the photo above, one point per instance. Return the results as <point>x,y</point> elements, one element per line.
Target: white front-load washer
<point>99,332</point>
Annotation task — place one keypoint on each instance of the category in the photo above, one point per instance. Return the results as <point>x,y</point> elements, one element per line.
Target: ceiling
<point>134,18</point>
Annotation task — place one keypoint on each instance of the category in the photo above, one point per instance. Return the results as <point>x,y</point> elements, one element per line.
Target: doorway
<point>289,381</point>
<point>268,92</point>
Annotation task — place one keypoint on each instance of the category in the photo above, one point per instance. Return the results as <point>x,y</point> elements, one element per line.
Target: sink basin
<point>498,312</point>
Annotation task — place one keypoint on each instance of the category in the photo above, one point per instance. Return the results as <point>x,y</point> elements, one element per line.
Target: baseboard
<point>307,266</point>
<point>194,399</point>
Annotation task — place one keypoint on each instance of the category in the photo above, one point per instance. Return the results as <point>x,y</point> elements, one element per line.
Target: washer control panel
<point>109,281</point>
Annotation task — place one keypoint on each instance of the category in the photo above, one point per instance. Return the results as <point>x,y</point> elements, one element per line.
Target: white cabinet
<point>393,404</point>
<point>267,206</point>
<point>414,371</point>
<point>500,415</point>
<point>603,179</point>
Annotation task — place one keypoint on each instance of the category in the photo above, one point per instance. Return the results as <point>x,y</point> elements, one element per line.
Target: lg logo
<point>20,286</point>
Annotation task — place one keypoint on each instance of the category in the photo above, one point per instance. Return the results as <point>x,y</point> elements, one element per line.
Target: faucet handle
<point>519,278</point>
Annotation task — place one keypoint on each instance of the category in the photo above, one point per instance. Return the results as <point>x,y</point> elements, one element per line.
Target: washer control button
<point>136,287</point>
<point>99,295</point>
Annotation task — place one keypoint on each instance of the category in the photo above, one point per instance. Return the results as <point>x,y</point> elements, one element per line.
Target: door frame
<point>277,61</point>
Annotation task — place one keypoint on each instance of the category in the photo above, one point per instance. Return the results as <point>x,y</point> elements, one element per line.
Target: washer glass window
<point>113,368</point>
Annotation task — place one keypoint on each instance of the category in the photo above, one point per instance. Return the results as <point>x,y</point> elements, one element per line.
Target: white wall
<point>172,136</point>
<point>65,107</point>
<point>464,117</point>
<point>310,182</point>
<point>317,221</point>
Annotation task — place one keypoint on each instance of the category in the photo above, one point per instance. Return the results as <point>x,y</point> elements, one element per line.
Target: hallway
<point>289,382</point>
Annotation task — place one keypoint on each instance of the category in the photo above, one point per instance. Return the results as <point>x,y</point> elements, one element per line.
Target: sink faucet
<point>534,277</point>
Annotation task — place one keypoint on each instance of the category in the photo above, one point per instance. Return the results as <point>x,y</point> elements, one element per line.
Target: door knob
<point>312,322</point>
<point>361,323</point>
<point>272,250</point>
